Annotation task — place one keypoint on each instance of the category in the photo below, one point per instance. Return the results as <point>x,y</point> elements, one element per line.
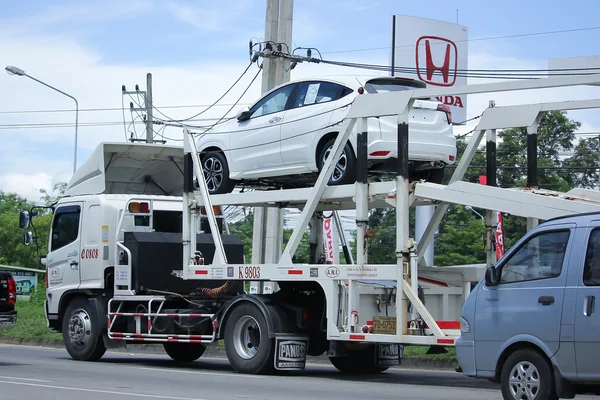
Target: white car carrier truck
<point>137,254</point>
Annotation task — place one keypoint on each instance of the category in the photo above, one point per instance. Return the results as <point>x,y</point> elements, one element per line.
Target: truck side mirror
<point>27,238</point>
<point>491,276</point>
<point>24,219</point>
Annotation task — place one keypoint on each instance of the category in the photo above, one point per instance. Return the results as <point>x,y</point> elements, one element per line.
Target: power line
<point>110,109</point>
<point>475,39</point>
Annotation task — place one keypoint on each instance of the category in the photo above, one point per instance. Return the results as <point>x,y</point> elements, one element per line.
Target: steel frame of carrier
<point>400,194</point>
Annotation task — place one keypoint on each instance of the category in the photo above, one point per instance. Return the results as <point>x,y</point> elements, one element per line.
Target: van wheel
<point>527,375</point>
<point>345,169</point>
<point>184,352</point>
<point>81,331</point>
<point>249,348</point>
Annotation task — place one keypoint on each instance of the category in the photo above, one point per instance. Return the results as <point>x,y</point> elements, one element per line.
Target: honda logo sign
<point>437,60</point>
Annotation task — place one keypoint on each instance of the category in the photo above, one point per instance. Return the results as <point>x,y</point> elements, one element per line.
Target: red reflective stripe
<point>449,324</point>
<point>380,153</point>
<point>433,281</point>
<point>138,315</point>
<point>196,315</point>
<point>294,272</point>
<point>445,341</point>
<point>149,325</point>
<point>172,315</point>
<point>108,323</point>
<point>357,337</point>
<point>201,272</point>
<point>214,326</point>
<point>137,339</point>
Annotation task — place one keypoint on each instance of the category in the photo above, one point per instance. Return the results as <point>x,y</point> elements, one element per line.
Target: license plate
<point>384,325</point>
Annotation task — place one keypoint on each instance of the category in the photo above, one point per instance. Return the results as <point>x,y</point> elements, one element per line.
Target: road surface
<point>28,372</point>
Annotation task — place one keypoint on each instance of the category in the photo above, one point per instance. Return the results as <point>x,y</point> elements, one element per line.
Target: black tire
<point>216,172</point>
<point>527,373</point>
<point>249,348</point>
<point>358,362</point>
<point>81,331</point>
<point>184,352</point>
<point>345,170</point>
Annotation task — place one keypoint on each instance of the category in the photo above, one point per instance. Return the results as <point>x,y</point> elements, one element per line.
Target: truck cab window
<point>541,257</point>
<point>591,269</point>
<point>65,226</point>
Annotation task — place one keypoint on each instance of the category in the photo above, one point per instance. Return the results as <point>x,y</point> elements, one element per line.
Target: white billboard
<point>435,52</point>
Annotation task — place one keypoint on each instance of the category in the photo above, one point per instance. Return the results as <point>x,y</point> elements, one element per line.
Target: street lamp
<point>472,209</point>
<point>18,71</point>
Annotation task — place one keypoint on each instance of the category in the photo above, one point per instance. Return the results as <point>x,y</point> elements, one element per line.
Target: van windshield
<point>385,85</point>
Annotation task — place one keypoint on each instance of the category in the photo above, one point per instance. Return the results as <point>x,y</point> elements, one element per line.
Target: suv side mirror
<point>243,115</point>
<point>491,276</point>
<point>24,219</point>
<point>27,238</point>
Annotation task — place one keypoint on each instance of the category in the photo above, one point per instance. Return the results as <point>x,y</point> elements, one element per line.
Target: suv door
<point>309,114</point>
<point>587,311</point>
<point>63,257</point>
<point>255,144</point>
<point>527,303</point>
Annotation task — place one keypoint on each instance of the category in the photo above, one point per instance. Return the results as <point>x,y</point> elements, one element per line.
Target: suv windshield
<point>385,85</point>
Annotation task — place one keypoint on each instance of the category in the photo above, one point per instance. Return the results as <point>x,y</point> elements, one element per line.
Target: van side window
<point>541,257</point>
<point>65,226</point>
<point>591,269</point>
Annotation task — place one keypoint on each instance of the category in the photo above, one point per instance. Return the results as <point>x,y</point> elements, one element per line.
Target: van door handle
<point>546,300</point>
<point>589,305</point>
<point>74,264</point>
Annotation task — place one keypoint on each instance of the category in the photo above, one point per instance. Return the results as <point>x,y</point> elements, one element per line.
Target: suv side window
<point>319,92</point>
<point>541,257</point>
<point>591,269</point>
<point>275,102</point>
<point>65,226</point>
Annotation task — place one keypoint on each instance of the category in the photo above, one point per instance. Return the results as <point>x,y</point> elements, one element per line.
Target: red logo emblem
<point>437,60</point>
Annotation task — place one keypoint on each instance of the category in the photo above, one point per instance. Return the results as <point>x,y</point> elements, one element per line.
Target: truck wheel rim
<point>246,337</point>
<point>340,167</point>
<point>80,328</point>
<point>524,381</point>
<point>213,171</point>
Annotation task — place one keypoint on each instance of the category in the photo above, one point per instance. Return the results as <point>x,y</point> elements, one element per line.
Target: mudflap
<point>388,355</point>
<point>290,352</point>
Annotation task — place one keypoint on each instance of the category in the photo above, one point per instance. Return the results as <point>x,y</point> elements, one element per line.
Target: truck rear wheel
<point>81,331</point>
<point>184,352</point>
<point>526,374</point>
<point>249,348</point>
<point>359,361</point>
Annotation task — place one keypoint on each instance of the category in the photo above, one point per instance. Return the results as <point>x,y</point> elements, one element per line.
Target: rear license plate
<point>384,325</point>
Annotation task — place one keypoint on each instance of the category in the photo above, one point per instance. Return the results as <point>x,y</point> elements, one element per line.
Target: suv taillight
<point>12,291</point>
<point>446,109</point>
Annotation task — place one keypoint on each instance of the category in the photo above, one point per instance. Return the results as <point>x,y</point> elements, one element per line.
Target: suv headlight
<point>465,327</point>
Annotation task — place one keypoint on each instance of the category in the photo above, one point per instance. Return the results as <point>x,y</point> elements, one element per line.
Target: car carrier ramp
<point>527,202</point>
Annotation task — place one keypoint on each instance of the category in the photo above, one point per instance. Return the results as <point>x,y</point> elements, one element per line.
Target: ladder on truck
<point>341,283</point>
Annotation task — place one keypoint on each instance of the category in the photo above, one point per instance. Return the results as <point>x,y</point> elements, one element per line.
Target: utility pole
<point>267,238</point>
<point>149,127</point>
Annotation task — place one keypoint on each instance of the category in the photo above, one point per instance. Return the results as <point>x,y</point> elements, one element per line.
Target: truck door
<point>587,311</point>
<point>63,258</point>
<point>528,300</point>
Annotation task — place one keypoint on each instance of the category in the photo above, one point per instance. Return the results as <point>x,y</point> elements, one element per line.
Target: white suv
<point>291,129</point>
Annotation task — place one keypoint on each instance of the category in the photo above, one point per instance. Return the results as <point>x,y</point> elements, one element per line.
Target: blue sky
<point>195,49</point>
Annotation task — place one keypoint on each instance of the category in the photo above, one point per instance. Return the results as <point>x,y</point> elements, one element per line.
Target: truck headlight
<point>465,327</point>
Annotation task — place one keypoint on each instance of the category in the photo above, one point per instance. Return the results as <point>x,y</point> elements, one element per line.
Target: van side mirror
<point>24,219</point>
<point>27,238</point>
<point>492,276</point>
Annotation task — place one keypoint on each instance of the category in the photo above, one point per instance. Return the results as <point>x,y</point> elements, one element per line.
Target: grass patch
<point>421,352</point>
<point>31,322</point>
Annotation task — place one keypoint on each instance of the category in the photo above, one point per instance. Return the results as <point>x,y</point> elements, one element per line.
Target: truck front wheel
<point>184,352</point>
<point>249,348</point>
<point>526,374</point>
<point>81,331</point>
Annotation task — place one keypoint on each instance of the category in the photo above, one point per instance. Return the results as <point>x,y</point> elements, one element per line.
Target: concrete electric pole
<point>149,127</point>
<point>267,238</point>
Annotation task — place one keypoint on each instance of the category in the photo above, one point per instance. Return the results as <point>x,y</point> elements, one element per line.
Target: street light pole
<point>17,71</point>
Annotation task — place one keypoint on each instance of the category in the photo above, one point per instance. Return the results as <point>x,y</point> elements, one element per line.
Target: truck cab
<point>531,323</point>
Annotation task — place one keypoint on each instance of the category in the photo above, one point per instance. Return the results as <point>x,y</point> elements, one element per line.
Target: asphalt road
<point>44,373</point>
